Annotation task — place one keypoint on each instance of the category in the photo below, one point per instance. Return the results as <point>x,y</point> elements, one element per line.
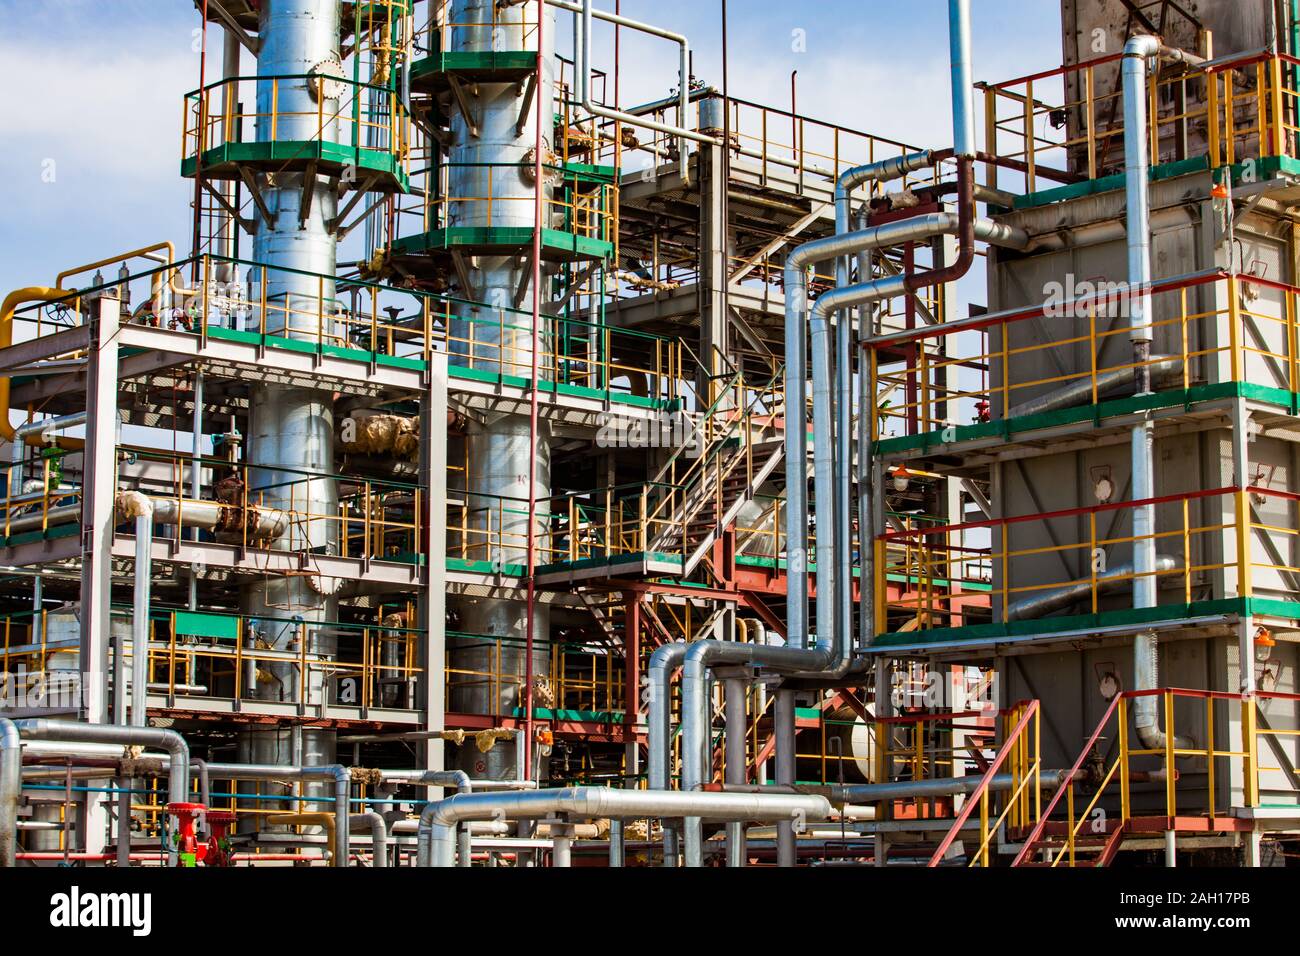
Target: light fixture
<point>1264,644</point>
<point>900,477</point>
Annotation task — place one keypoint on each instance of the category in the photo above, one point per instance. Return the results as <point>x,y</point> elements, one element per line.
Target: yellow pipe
<point>325,820</point>
<point>121,257</point>
<point>35,440</point>
<point>16,298</point>
<point>143,251</point>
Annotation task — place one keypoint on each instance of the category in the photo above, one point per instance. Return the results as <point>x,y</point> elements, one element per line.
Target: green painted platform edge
<point>612,561</point>
<point>586,716</point>
<point>282,151</point>
<point>297,345</point>
<point>62,531</point>
<point>201,624</point>
<point>1265,168</point>
<point>453,237</point>
<point>1265,607</point>
<point>1006,427</point>
<point>578,391</point>
<point>486,567</point>
<point>466,61</point>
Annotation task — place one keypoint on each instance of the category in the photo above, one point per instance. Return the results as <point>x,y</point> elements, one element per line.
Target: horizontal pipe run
<point>439,821</point>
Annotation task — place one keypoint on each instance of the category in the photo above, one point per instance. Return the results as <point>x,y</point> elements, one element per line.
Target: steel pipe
<point>11,781</point>
<point>439,821</point>
<point>1137,52</point>
<point>337,773</point>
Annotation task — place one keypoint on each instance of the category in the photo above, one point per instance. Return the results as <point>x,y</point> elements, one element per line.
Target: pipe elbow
<point>1142,46</point>
<point>667,656</point>
<point>133,504</point>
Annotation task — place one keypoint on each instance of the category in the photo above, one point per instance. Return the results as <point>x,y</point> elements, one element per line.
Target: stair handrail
<point>1067,783</point>
<point>978,795</point>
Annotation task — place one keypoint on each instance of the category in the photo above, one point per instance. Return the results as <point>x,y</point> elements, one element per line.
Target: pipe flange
<point>332,83</point>
<point>551,173</point>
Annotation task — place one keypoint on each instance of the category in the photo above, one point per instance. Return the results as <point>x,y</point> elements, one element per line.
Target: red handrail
<point>978,793</point>
<point>1068,781</point>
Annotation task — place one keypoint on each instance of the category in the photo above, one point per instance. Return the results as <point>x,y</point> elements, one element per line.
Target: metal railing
<point>366,117</point>
<point>1021,806</point>
<point>1106,792</point>
<point>1211,544</point>
<point>1207,328</point>
<point>1068,122</point>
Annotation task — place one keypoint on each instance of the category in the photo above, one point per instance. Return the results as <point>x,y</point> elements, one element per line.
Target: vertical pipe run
<point>736,767</point>
<point>11,781</point>
<point>1137,52</point>
<point>291,429</point>
<point>783,716</point>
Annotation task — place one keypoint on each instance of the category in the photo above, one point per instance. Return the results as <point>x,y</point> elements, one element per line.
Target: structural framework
<point>510,475</point>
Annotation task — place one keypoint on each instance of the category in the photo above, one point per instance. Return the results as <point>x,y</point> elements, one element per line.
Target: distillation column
<point>291,430</point>
<point>497,160</point>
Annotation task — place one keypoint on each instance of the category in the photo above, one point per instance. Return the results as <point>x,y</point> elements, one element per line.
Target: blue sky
<point>94,90</point>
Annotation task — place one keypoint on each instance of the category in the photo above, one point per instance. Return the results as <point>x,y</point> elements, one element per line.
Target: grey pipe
<point>1079,392</point>
<point>178,777</point>
<point>439,778</point>
<point>1040,603</point>
<point>378,827</point>
<point>737,726</point>
<point>615,843</point>
<point>11,782</point>
<point>439,821</point>
<point>336,772</point>
<point>847,181</point>
<point>582,76</point>
<point>783,728</point>
<point>1137,51</point>
<point>178,774</point>
<point>963,86</point>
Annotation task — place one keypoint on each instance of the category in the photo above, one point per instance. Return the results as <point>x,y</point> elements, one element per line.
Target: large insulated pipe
<point>1080,391</point>
<point>493,154</point>
<point>77,732</point>
<point>11,782</point>
<point>1041,603</point>
<point>439,821</point>
<point>70,731</point>
<point>850,179</point>
<point>335,773</point>
<point>1138,51</point>
<point>437,778</point>
<point>291,429</point>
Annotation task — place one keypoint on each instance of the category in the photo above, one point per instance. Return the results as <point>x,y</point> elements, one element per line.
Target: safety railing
<point>777,143</point>
<point>485,676</point>
<point>1210,544</point>
<point>1215,767</point>
<point>511,27</point>
<point>282,509</point>
<point>285,659</point>
<point>920,587</point>
<point>239,299</point>
<point>1021,804</point>
<point>1075,350</point>
<point>36,643</point>
<point>929,745</point>
<point>35,500</point>
<point>1069,121</point>
<point>294,110</point>
<point>488,196</point>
